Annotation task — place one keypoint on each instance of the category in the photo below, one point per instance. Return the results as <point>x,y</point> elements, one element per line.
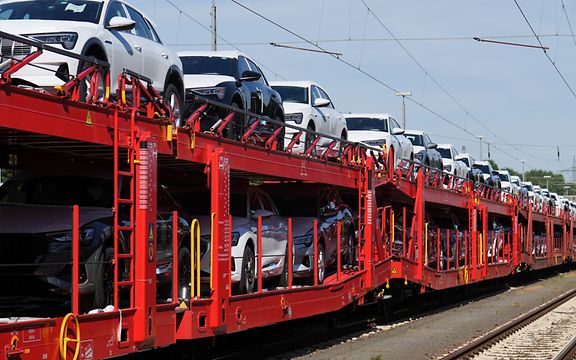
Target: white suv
<point>307,105</point>
<point>107,30</point>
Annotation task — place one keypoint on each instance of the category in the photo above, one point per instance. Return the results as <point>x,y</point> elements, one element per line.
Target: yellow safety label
<point>88,118</point>
<point>394,271</point>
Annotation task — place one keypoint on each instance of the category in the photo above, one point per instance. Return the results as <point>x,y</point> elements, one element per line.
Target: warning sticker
<point>86,349</point>
<point>150,242</point>
<point>394,271</point>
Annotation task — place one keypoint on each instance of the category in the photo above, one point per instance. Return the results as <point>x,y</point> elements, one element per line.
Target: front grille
<point>14,49</point>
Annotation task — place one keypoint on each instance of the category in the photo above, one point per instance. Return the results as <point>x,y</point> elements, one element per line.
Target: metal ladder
<point>124,207</point>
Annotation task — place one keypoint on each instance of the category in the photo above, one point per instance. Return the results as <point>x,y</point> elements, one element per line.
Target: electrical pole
<point>523,172</point>
<point>213,26</point>
<point>404,94</point>
<point>480,137</point>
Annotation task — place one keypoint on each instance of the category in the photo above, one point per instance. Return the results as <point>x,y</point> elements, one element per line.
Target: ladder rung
<point>125,201</point>
<point>125,173</point>
<point>125,283</point>
<point>125,228</point>
<point>125,256</point>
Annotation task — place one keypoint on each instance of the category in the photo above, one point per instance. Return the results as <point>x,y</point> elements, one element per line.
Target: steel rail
<point>569,352</point>
<point>506,330</point>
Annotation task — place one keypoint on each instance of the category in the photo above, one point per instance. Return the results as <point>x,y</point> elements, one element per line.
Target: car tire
<point>280,138</point>
<point>184,272</point>
<point>85,84</point>
<point>234,129</point>
<point>104,279</point>
<point>349,239</point>
<point>174,100</point>
<point>248,273</point>
<point>283,279</point>
<point>309,138</point>
<point>321,264</point>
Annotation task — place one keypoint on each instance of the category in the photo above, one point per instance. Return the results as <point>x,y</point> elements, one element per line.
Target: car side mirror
<point>431,146</point>
<point>398,131</point>
<point>121,23</point>
<point>250,75</point>
<point>321,102</point>
<point>255,214</point>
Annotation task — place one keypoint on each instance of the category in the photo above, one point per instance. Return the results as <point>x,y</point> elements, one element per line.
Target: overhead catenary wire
<point>434,80</point>
<point>545,52</point>
<point>367,74</point>
<point>568,21</point>
<point>182,12</point>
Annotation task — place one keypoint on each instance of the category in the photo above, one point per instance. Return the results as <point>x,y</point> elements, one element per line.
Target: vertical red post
<point>447,249</point>
<point>404,232</point>
<point>420,222</point>
<point>175,265</point>
<point>315,266</point>
<point>457,254</point>
<point>259,262</point>
<point>438,257</point>
<point>339,249</point>
<point>289,259</point>
<point>75,258</point>
<point>466,248</point>
<point>384,235</point>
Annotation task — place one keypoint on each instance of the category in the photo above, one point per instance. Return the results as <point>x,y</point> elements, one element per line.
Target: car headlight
<point>212,91</point>
<point>378,143</point>
<point>86,236</point>
<point>235,238</point>
<point>304,240</point>
<point>448,168</point>
<point>67,40</point>
<point>296,117</point>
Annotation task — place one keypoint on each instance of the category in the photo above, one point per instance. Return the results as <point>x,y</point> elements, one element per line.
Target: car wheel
<point>309,139</point>
<point>349,241</point>
<point>104,279</point>
<point>280,138</point>
<point>85,84</point>
<point>321,264</point>
<point>248,274</point>
<point>283,280</point>
<point>184,272</point>
<point>173,99</point>
<point>234,129</point>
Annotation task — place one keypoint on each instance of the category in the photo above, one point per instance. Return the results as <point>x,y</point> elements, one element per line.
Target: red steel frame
<point>146,324</point>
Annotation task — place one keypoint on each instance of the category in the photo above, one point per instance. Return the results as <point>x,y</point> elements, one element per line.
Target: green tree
<point>494,165</point>
<point>513,172</point>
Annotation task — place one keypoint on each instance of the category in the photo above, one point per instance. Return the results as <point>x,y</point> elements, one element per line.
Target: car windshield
<point>484,168</point>
<point>503,177</point>
<point>527,187</point>
<point>465,161</point>
<point>365,123</point>
<point>445,153</point>
<point>62,10</point>
<point>416,140</point>
<point>58,190</point>
<point>293,94</point>
<point>208,65</point>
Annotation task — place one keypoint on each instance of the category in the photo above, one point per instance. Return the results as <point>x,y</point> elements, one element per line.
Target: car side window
<point>254,202</point>
<point>155,36</point>
<point>242,66</point>
<point>114,9</point>
<point>255,68</point>
<point>427,138</point>
<point>315,94</point>
<point>267,203</point>
<point>325,96</point>
<point>141,29</point>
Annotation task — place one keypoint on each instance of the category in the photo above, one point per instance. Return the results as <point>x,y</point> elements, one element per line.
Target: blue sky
<point>515,92</point>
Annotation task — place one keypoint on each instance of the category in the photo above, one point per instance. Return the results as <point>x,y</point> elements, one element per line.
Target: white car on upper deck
<point>451,165</point>
<point>108,30</point>
<point>308,105</point>
<point>379,130</point>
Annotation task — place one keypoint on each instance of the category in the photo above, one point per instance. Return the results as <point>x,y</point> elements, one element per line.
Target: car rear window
<point>293,94</point>
<point>366,123</point>
<point>208,65</point>
<point>62,10</point>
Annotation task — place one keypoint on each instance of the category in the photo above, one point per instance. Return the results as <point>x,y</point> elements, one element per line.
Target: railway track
<point>547,332</point>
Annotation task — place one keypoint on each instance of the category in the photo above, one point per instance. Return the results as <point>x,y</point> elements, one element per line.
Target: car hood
<point>201,80</point>
<point>363,135</point>
<point>292,107</point>
<point>23,27</point>
<point>418,148</point>
<point>447,162</point>
<point>37,219</point>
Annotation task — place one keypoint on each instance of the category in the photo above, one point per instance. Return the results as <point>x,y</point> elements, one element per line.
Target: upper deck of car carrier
<point>414,226</point>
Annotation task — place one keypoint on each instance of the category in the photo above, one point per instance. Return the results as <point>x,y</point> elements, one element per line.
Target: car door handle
<point>165,56</point>
<point>138,48</point>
